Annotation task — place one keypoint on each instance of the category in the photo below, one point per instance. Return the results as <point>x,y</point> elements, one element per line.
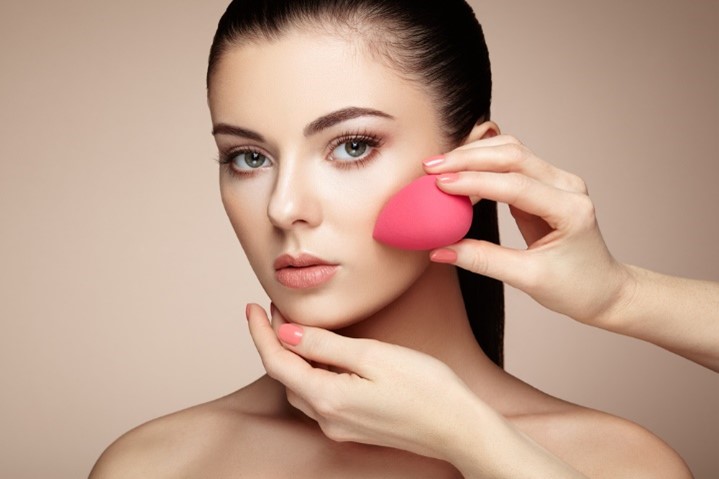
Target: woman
<point>321,112</point>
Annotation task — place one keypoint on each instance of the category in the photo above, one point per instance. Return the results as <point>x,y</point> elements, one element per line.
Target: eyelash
<point>371,140</point>
<point>226,158</point>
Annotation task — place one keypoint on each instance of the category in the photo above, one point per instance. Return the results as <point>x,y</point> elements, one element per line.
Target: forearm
<point>678,314</point>
<point>486,445</point>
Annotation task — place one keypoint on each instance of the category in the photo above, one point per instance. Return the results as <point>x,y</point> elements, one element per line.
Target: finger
<point>278,319</point>
<point>504,155</point>
<point>555,206</point>
<point>491,141</point>
<point>511,266</point>
<point>299,403</point>
<point>353,355</point>
<point>279,362</point>
<point>532,227</point>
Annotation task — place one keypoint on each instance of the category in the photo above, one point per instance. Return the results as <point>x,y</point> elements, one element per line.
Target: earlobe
<point>482,130</point>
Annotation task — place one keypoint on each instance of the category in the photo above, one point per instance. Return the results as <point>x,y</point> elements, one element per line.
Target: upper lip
<point>299,261</point>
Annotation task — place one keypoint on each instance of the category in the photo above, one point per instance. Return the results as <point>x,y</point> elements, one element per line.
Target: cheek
<point>246,208</point>
<point>356,197</point>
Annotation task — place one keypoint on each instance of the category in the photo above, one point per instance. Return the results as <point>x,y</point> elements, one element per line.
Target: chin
<point>335,311</point>
<point>322,312</point>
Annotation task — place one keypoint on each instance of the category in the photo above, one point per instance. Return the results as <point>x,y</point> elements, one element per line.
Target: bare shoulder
<point>187,443</point>
<point>603,445</point>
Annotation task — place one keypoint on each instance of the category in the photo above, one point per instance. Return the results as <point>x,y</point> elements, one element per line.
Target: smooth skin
<point>387,379</point>
<point>567,266</point>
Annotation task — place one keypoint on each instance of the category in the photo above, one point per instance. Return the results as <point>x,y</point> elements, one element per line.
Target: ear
<point>484,129</point>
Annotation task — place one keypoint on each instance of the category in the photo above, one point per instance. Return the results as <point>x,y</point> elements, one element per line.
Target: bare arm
<point>398,407</point>
<point>678,314</point>
<point>567,266</point>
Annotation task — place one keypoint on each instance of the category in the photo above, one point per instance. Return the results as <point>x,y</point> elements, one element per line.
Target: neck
<point>430,318</point>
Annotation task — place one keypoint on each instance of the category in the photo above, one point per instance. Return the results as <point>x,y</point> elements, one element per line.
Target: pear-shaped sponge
<point>423,217</point>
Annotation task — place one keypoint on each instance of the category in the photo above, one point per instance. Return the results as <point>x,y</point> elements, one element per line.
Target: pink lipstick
<point>303,271</point>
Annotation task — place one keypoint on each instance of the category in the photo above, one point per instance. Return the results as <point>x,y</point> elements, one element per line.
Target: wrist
<point>486,444</point>
<point>468,443</point>
<point>510,454</point>
<point>618,311</point>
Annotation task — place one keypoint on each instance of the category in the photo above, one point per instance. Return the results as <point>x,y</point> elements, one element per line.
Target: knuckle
<point>511,139</point>
<point>517,153</point>
<point>519,183</point>
<point>326,407</point>
<point>315,342</point>
<point>334,431</point>
<point>577,184</point>
<point>584,211</point>
<point>478,262</point>
<point>292,398</point>
<point>270,366</point>
<point>365,354</point>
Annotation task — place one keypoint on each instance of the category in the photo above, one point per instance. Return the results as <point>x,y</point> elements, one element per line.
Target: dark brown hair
<point>437,43</point>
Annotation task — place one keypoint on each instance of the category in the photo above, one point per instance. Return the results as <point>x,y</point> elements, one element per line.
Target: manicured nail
<point>448,177</point>
<point>247,311</point>
<point>290,334</point>
<point>433,161</point>
<point>443,256</point>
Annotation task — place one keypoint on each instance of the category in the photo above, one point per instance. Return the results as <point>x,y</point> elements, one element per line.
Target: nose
<point>294,201</point>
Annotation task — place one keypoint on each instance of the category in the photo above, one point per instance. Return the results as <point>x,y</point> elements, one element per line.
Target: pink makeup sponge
<point>423,217</point>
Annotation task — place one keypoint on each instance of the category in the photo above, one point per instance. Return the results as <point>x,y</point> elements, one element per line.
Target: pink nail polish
<point>290,334</point>
<point>448,177</point>
<point>443,256</point>
<point>433,161</point>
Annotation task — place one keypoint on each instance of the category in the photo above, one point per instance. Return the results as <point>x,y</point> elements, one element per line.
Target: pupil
<point>255,160</point>
<point>355,148</point>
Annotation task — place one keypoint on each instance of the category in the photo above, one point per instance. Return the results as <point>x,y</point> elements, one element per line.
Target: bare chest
<point>291,451</point>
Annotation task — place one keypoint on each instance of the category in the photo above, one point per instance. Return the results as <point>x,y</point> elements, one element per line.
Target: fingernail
<point>433,161</point>
<point>247,311</point>
<point>290,334</point>
<point>273,309</point>
<point>443,256</point>
<point>448,177</point>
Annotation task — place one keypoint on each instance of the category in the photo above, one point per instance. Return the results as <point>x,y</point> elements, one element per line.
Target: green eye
<point>248,160</point>
<point>352,150</point>
<point>356,148</point>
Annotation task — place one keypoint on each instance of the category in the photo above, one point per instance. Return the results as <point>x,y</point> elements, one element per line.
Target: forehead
<point>303,75</point>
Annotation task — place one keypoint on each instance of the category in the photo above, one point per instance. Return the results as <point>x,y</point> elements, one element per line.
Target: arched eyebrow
<point>321,123</point>
<point>225,129</point>
<point>339,116</point>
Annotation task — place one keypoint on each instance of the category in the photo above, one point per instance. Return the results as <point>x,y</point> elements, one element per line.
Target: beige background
<point>122,287</point>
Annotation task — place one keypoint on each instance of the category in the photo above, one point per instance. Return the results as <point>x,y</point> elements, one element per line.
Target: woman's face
<point>318,135</point>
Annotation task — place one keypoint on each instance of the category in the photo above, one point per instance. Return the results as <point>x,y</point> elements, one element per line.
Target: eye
<point>353,149</point>
<point>246,160</point>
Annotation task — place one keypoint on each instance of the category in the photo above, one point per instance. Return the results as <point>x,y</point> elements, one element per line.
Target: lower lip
<point>307,277</point>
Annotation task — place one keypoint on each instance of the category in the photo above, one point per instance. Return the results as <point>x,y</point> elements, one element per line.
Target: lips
<point>303,271</point>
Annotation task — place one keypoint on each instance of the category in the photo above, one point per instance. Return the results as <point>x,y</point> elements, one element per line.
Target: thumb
<point>327,347</point>
<point>508,265</point>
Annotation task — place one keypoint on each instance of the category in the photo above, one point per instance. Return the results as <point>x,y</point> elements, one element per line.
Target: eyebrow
<point>339,116</point>
<point>315,127</point>
<point>225,129</point>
